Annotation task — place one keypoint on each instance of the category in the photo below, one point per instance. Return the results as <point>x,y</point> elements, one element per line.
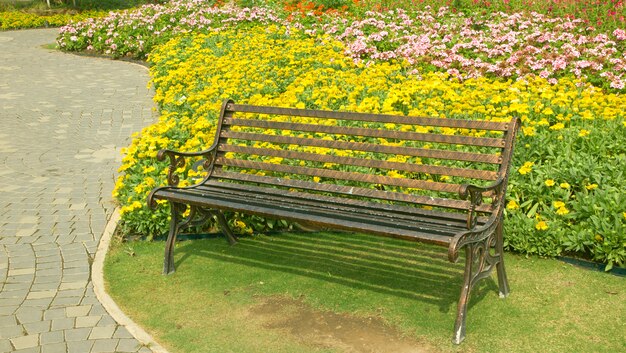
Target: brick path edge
<point>109,304</point>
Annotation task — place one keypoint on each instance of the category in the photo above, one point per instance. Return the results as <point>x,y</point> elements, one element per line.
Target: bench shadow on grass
<point>388,266</point>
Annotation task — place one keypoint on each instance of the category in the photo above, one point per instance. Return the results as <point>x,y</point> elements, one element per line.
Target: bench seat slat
<point>349,191</point>
<point>361,162</point>
<point>368,132</point>
<point>327,206</point>
<point>336,174</point>
<point>412,213</point>
<point>380,118</point>
<point>365,147</point>
<point>297,212</point>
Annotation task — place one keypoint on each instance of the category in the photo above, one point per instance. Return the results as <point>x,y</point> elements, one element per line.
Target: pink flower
<point>620,34</point>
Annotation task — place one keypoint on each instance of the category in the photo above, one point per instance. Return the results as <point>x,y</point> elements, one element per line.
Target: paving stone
<point>77,334</point>
<point>8,310</point>
<point>79,346</point>
<point>52,337</point>
<point>5,346</point>
<point>42,294</point>
<point>89,301</point>
<point>106,345</point>
<point>8,320</point>
<point>97,310</point>
<point>29,350</point>
<point>37,303</point>
<point>106,320</point>
<point>60,347</point>
<point>87,321</point>
<point>66,301</point>
<point>71,293</point>
<point>25,341</point>
<point>75,311</point>
<point>10,301</point>
<point>122,332</point>
<point>62,324</point>
<point>14,294</point>
<point>21,271</point>
<point>127,345</point>
<point>55,279</point>
<point>102,332</point>
<point>11,331</point>
<point>27,315</point>
<point>57,313</point>
<point>37,327</point>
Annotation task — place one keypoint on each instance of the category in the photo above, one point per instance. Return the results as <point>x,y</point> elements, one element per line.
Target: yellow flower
<point>564,185</point>
<point>558,204</point>
<point>541,225</point>
<point>583,133</point>
<point>526,168</point>
<point>591,186</point>
<point>529,130</point>
<point>557,126</point>
<point>562,211</point>
<point>549,182</point>
<point>598,237</point>
<point>512,205</point>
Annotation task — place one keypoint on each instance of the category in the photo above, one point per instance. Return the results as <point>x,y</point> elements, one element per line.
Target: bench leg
<point>503,283</point>
<point>225,228</point>
<point>168,261</point>
<point>459,325</point>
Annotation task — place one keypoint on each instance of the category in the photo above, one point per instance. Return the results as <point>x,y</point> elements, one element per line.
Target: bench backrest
<point>381,158</point>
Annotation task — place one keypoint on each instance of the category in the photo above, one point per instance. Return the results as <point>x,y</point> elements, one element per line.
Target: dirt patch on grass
<point>342,332</point>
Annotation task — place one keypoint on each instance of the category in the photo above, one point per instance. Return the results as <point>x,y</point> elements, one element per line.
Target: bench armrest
<point>475,195</point>
<point>177,160</point>
<point>474,235</point>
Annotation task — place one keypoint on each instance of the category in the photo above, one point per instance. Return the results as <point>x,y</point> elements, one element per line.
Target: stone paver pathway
<point>63,119</point>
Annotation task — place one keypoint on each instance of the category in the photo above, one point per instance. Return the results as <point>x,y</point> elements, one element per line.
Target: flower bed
<point>17,19</point>
<point>564,193</point>
<point>466,46</point>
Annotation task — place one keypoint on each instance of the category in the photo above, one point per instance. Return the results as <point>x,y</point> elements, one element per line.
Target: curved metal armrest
<point>475,195</point>
<point>472,235</point>
<point>473,191</point>
<point>177,160</point>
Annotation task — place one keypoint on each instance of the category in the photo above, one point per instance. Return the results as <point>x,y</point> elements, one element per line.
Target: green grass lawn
<point>212,302</point>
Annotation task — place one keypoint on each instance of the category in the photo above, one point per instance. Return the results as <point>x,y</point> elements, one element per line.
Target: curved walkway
<point>62,121</point>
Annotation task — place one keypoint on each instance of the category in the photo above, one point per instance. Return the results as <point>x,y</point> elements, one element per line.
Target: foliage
<point>564,188</point>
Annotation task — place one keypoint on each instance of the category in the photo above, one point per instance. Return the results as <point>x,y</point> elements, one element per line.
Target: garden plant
<point>563,76</point>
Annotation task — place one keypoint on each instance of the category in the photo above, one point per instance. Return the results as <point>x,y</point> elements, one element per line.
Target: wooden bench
<point>434,180</point>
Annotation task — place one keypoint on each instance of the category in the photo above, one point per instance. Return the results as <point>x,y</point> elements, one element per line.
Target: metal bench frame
<point>477,228</point>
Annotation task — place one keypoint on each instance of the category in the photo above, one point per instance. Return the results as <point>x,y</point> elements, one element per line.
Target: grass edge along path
<point>553,307</point>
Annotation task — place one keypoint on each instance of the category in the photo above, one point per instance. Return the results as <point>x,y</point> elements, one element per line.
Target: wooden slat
<point>361,162</point>
<point>189,197</point>
<point>366,147</point>
<point>327,207</point>
<point>413,213</point>
<point>380,118</point>
<point>336,174</point>
<point>351,191</point>
<point>366,132</point>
